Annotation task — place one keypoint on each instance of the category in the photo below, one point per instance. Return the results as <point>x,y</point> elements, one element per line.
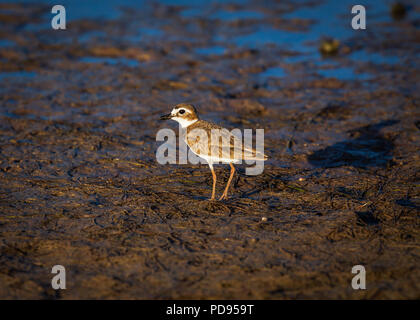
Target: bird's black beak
<point>166,117</point>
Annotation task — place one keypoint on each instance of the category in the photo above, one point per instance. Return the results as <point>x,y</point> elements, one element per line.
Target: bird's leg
<point>214,182</point>
<point>232,172</point>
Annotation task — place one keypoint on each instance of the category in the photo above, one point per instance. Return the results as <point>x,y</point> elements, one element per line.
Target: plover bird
<point>216,151</point>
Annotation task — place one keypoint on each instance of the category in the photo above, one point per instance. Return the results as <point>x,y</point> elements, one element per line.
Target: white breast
<point>184,122</point>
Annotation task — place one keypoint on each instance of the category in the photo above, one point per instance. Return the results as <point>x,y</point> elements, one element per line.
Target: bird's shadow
<point>407,203</point>
<point>366,148</point>
<point>366,218</point>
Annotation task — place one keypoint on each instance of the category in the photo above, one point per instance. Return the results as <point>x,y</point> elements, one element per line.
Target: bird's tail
<point>254,155</point>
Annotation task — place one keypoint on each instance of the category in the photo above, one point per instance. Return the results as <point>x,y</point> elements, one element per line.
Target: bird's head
<point>185,114</point>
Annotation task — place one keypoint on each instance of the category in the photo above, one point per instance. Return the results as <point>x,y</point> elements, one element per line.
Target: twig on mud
<point>365,204</point>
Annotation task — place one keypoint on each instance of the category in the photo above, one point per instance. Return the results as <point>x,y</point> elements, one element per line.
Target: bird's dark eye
<point>182,111</point>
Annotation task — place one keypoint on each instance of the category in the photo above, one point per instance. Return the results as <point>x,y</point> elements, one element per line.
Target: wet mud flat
<point>80,185</point>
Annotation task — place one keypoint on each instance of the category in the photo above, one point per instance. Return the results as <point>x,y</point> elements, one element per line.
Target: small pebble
<point>398,11</point>
<point>329,46</point>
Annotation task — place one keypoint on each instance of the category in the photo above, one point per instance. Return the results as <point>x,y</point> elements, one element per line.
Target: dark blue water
<point>273,72</point>
<point>330,18</point>
<point>17,74</point>
<point>111,61</point>
<point>343,73</point>
<point>212,50</point>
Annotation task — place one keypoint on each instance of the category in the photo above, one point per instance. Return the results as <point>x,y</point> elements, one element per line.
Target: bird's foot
<point>224,196</point>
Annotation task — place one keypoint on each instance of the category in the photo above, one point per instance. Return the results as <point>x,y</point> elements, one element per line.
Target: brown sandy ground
<point>80,186</point>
